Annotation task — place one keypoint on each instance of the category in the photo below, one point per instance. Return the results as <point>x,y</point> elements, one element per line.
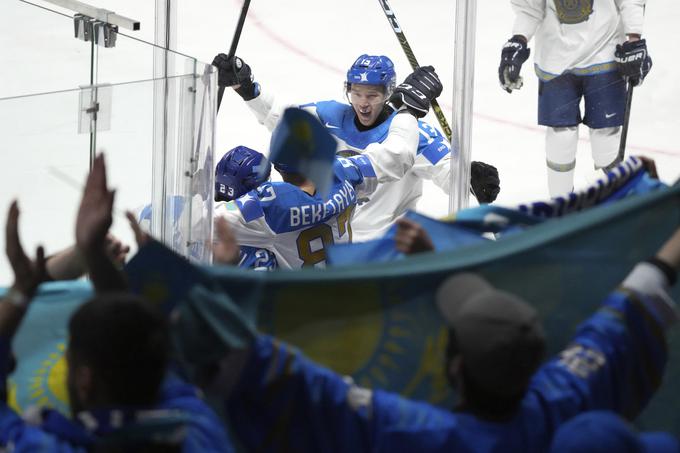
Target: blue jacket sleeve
<point>205,431</point>
<point>285,402</point>
<point>615,362</point>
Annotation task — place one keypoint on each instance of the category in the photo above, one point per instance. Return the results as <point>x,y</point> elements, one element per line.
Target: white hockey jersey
<point>295,226</point>
<point>578,36</point>
<point>400,162</point>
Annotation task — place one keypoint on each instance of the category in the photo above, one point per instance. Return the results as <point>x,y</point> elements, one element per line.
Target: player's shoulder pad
<point>276,196</point>
<point>432,145</point>
<point>330,113</point>
<point>250,205</point>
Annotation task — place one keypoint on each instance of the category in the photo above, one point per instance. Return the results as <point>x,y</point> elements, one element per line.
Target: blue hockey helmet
<point>240,170</point>
<point>372,70</point>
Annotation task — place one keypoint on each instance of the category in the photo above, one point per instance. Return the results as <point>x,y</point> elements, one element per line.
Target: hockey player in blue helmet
<point>406,150</point>
<point>291,218</point>
<point>370,81</point>
<point>240,170</point>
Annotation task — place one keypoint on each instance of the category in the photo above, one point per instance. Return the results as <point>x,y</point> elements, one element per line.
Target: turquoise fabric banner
<point>377,322</point>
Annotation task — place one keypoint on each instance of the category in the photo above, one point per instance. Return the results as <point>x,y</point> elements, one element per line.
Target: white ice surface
<point>300,50</point>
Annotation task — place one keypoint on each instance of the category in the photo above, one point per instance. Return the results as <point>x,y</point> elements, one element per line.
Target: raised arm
<point>92,226</point>
<point>69,265</point>
<point>617,359</point>
<point>28,275</point>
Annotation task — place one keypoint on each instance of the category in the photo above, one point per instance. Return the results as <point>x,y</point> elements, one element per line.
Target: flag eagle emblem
<point>573,11</point>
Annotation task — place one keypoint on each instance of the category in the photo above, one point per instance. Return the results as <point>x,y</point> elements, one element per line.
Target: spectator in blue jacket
<point>606,432</point>
<point>120,395</point>
<point>509,401</point>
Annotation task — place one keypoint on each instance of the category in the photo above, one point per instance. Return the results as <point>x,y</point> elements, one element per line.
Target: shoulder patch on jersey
<point>250,206</point>
<point>432,145</point>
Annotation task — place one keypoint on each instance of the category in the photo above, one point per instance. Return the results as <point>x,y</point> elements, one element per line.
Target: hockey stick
<point>624,129</point>
<point>392,19</point>
<point>234,44</point>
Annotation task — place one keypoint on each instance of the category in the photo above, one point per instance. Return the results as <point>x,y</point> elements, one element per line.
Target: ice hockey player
<point>290,218</point>
<point>364,125</point>
<point>238,172</point>
<point>580,53</point>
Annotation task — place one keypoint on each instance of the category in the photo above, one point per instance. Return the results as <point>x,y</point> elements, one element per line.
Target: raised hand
<point>417,92</point>
<point>27,274</point>
<point>116,250</point>
<point>95,212</point>
<point>141,236</point>
<point>234,72</point>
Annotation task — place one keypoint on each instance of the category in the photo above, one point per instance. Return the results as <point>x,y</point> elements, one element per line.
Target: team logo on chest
<point>573,11</point>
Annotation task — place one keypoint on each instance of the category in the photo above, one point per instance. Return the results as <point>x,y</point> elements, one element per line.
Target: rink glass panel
<point>44,160</point>
<point>149,129</point>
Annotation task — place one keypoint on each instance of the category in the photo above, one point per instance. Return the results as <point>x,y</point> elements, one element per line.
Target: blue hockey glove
<point>417,92</point>
<point>484,181</point>
<point>233,71</point>
<point>515,52</point>
<point>633,61</point>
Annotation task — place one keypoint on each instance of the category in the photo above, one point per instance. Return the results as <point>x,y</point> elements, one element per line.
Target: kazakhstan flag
<point>377,322</point>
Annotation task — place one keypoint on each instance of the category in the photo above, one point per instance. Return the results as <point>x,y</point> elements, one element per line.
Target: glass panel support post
<point>463,88</point>
<point>163,111</point>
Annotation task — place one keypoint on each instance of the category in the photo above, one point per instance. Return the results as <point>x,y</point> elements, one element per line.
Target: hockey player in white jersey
<point>290,218</point>
<point>364,125</point>
<point>580,52</point>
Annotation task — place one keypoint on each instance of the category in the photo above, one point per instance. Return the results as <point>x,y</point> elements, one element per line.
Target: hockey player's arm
<point>632,15</point>
<point>247,222</point>
<point>396,155</point>
<point>528,17</point>
<point>269,108</point>
<point>434,158</point>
